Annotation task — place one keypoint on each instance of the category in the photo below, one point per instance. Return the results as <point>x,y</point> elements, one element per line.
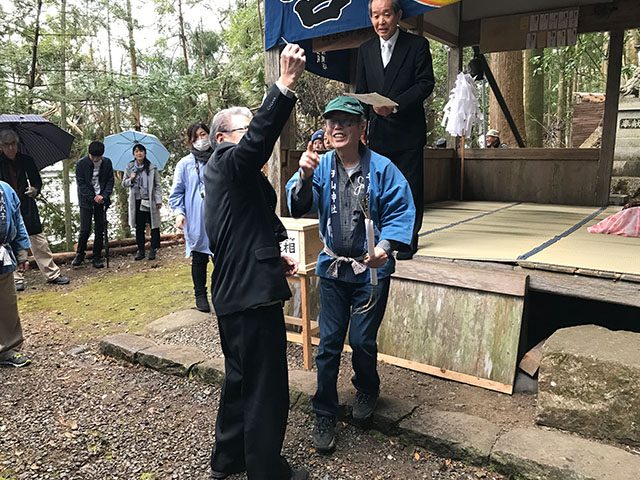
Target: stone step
<point>589,383</point>
<point>626,168</point>
<point>626,186</point>
<point>537,454</point>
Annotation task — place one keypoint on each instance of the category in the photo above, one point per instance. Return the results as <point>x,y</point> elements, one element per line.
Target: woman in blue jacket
<point>14,242</point>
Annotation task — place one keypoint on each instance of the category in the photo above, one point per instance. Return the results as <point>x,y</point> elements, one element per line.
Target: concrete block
<point>210,371</point>
<point>451,434</point>
<point>589,383</point>
<point>177,320</point>
<point>125,346</point>
<point>171,359</point>
<point>537,454</point>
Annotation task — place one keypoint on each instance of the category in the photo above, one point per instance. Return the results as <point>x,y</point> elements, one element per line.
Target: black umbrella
<point>39,138</point>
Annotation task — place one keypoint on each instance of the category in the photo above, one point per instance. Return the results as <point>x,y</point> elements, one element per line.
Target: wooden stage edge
<point>568,283</point>
<point>423,368</point>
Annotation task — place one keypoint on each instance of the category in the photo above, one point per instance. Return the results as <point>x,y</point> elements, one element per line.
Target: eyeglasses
<point>10,144</point>
<point>239,129</point>
<point>343,122</point>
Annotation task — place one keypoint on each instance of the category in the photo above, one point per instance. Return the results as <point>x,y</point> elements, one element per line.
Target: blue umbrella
<point>45,142</point>
<point>119,148</point>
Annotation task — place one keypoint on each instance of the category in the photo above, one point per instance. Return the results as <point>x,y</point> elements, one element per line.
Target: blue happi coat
<point>14,237</point>
<point>390,203</point>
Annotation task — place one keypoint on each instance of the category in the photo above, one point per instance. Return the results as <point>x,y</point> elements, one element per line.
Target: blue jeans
<point>339,304</point>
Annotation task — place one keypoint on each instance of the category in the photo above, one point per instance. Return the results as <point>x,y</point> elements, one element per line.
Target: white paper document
<point>374,99</point>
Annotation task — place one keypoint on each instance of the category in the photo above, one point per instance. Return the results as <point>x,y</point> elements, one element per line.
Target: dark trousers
<point>411,164</point>
<point>97,213</point>
<point>199,262</point>
<point>142,219</point>
<point>338,300</point>
<point>254,405</point>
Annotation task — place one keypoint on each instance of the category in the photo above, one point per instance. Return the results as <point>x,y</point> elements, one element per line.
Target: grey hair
<point>221,121</point>
<point>8,136</point>
<point>395,5</point>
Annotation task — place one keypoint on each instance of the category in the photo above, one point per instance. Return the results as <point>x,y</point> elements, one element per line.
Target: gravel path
<point>74,414</point>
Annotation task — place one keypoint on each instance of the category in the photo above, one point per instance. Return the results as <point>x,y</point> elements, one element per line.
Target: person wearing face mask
<point>187,203</point>
<point>142,178</point>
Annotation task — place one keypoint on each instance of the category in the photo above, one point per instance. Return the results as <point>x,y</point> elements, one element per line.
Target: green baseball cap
<point>344,103</point>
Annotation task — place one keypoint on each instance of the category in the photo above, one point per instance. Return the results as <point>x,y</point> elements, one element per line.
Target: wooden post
<point>462,167</point>
<point>454,67</point>
<point>610,119</point>
<point>306,321</point>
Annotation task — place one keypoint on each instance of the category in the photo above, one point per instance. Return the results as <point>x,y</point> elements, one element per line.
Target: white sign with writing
<point>291,246</point>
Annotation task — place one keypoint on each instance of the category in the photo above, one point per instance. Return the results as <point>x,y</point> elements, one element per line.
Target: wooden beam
<point>460,276</point>
<point>524,154</point>
<point>610,119</point>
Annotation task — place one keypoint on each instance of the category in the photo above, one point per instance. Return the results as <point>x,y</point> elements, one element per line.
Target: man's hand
<point>292,62</point>
<point>309,161</point>
<point>99,199</point>
<point>378,260</point>
<point>23,267</point>
<point>383,111</point>
<point>31,192</point>
<point>289,265</point>
<point>180,221</point>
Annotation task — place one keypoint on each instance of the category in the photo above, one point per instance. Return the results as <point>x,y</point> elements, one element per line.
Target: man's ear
<point>219,137</point>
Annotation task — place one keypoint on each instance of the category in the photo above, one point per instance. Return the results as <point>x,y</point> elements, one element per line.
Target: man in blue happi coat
<point>346,186</point>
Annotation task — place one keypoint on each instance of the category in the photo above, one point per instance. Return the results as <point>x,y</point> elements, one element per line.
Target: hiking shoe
<point>299,474</point>
<point>97,263</point>
<point>152,254</point>
<point>202,303</point>
<point>78,259</point>
<point>15,359</point>
<point>20,286</point>
<point>324,434</point>
<point>364,405</point>
<point>60,280</point>
<point>139,255</point>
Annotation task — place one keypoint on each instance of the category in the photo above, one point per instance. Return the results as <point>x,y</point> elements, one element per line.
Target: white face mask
<point>202,144</point>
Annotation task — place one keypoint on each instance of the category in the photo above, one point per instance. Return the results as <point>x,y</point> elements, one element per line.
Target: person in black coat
<point>249,284</point>
<point>94,177</point>
<point>398,65</point>
<point>20,172</point>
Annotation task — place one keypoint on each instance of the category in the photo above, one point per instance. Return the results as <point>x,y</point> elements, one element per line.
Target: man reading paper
<point>397,65</point>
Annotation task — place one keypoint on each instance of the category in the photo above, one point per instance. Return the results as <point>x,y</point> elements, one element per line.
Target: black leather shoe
<point>139,255</point>
<point>299,474</point>
<point>97,263</point>
<point>77,261</point>
<point>202,303</point>
<point>60,280</point>
<point>220,475</point>
<point>152,254</point>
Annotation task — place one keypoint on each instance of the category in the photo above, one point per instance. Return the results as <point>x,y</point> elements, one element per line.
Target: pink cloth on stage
<point>625,222</point>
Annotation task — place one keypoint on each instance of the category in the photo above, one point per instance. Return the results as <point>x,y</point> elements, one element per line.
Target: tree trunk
<point>561,111</point>
<point>183,39</point>
<point>534,96</point>
<point>135,106</point>
<point>34,57</point>
<point>631,53</point>
<point>66,163</point>
<point>508,71</point>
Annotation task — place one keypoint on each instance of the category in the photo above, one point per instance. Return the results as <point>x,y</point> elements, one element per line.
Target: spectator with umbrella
<point>94,177</point>
<point>20,172</point>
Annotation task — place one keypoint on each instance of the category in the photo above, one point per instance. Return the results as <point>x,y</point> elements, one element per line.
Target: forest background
<point>97,67</point>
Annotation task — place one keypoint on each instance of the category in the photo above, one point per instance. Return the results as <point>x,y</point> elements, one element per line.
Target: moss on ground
<point>116,302</point>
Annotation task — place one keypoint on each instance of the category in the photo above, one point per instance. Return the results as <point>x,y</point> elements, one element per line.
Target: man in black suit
<point>397,65</point>
<point>94,177</point>
<point>249,284</point>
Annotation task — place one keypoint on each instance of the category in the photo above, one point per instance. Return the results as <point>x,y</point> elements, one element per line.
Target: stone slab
<point>177,321</point>
<point>302,387</point>
<point>589,383</point>
<point>451,434</point>
<point>537,454</point>
<point>125,346</point>
<point>171,359</point>
<point>210,371</point>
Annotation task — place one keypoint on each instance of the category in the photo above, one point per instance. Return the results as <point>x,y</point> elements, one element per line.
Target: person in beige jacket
<point>142,179</point>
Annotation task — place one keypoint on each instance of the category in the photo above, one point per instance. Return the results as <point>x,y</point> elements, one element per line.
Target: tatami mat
<point>508,232</point>
<point>581,249</point>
